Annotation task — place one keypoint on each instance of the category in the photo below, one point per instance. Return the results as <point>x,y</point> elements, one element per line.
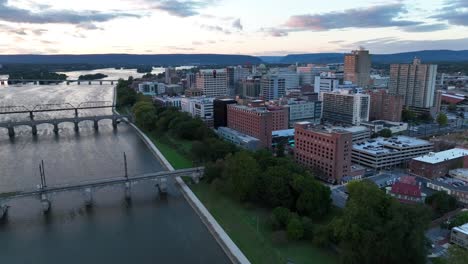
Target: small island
<point>90,77</point>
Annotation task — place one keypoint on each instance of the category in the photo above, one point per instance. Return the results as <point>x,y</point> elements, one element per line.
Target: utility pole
<point>125,165</point>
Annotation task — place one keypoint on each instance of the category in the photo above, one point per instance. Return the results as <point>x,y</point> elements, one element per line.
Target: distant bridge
<point>44,191</point>
<point>68,81</point>
<point>10,125</point>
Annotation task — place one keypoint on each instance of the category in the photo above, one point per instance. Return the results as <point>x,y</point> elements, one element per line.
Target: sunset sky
<point>258,27</point>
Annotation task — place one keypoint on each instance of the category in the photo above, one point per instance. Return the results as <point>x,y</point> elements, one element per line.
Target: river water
<point>149,229</point>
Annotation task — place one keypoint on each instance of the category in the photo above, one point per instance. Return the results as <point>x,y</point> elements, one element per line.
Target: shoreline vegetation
<point>275,210</point>
<point>90,77</point>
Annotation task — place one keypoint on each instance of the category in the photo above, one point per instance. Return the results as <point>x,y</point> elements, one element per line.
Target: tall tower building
<point>385,106</point>
<point>213,83</point>
<point>416,82</point>
<point>346,108</point>
<point>273,87</point>
<point>357,67</point>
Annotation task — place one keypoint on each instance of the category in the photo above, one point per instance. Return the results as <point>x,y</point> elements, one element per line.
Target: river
<point>149,229</point>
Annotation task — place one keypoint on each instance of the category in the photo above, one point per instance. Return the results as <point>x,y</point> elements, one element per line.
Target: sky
<point>253,27</point>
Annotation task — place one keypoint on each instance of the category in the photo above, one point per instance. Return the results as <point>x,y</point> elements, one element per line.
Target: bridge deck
<point>101,183</point>
<point>60,120</point>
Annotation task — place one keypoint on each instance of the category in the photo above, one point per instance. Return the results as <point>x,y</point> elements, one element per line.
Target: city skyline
<point>230,27</point>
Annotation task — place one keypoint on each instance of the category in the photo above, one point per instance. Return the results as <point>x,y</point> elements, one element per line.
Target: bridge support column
<point>3,211</point>
<point>78,83</point>
<point>46,204</point>
<point>114,123</point>
<point>77,128</point>
<point>128,191</point>
<point>34,130</point>
<point>112,82</point>
<point>56,129</point>
<point>35,82</point>
<point>162,185</point>
<point>100,82</point>
<point>68,83</point>
<point>2,83</point>
<point>11,131</point>
<point>89,82</point>
<point>76,112</point>
<point>196,177</point>
<point>88,195</point>
<point>96,124</point>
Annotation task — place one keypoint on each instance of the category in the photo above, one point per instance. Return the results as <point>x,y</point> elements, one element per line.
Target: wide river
<point>149,229</point>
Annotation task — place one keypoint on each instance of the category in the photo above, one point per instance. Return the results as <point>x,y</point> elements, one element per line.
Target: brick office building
<point>280,117</point>
<point>256,122</point>
<point>324,149</point>
<point>385,106</point>
<point>435,165</point>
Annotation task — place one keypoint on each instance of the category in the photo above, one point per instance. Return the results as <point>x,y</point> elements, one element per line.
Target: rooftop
<point>248,108</point>
<point>283,133</point>
<point>241,136</point>
<point>438,157</point>
<point>321,128</point>
<point>462,229</point>
<point>382,145</point>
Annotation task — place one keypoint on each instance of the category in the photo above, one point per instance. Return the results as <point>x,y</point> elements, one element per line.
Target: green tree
<point>281,215</point>
<point>144,114</point>
<point>313,197</point>
<point>452,107</point>
<point>386,133</point>
<point>408,115</point>
<point>213,170</point>
<point>442,119</point>
<point>426,117</point>
<point>441,203</point>
<point>241,172</point>
<point>376,228</point>
<point>460,219</point>
<point>280,149</point>
<point>456,255</point>
<point>295,229</point>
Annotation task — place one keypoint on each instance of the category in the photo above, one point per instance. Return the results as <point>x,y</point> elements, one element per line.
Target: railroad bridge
<point>67,81</point>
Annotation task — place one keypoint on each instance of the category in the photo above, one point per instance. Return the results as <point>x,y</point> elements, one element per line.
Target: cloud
<point>47,15</point>
<point>455,12</point>
<point>216,29</point>
<point>179,48</point>
<point>275,32</point>
<point>426,28</point>
<point>182,8</point>
<point>197,43</point>
<point>237,24</point>
<point>372,17</point>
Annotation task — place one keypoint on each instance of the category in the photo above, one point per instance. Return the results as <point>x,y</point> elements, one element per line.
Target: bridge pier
<point>3,211</point>
<point>35,82</point>
<point>78,82</point>
<point>162,185</point>
<point>11,131</point>
<point>196,177</point>
<point>45,202</point>
<point>34,130</point>
<point>88,195</point>
<point>100,82</point>
<point>56,129</point>
<point>77,128</point>
<point>2,83</point>
<point>114,123</point>
<point>89,82</point>
<point>112,82</point>
<point>96,124</point>
<point>68,83</point>
<point>128,191</point>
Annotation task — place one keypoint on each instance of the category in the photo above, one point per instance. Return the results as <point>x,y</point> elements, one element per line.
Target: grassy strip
<point>175,157</point>
<point>249,229</point>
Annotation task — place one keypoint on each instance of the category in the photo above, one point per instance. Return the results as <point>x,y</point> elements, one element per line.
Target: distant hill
<point>131,59</point>
<point>406,57</point>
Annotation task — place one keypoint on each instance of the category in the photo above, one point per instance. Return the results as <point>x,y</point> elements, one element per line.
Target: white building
<point>324,84</point>
<point>346,108</point>
<point>167,101</point>
<point>148,88</point>
<point>300,110</point>
<point>459,236</point>
<point>201,107</point>
<point>213,83</point>
<point>291,78</point>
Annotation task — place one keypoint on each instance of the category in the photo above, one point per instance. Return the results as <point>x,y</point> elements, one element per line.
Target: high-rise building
<point>301,110</point>
<point>213,83</point>
<point>357,67</point>
<point>327,150</point>
<point>346,108</point>
<point>273,87</point>
<point>169,74</point>
<point>251,87</point>
<point>416,82</point>
<point>256,122</point>
<point>220,111</point>
<point>191,80</point>
<point>201,107</point>
<point>385,106</point>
